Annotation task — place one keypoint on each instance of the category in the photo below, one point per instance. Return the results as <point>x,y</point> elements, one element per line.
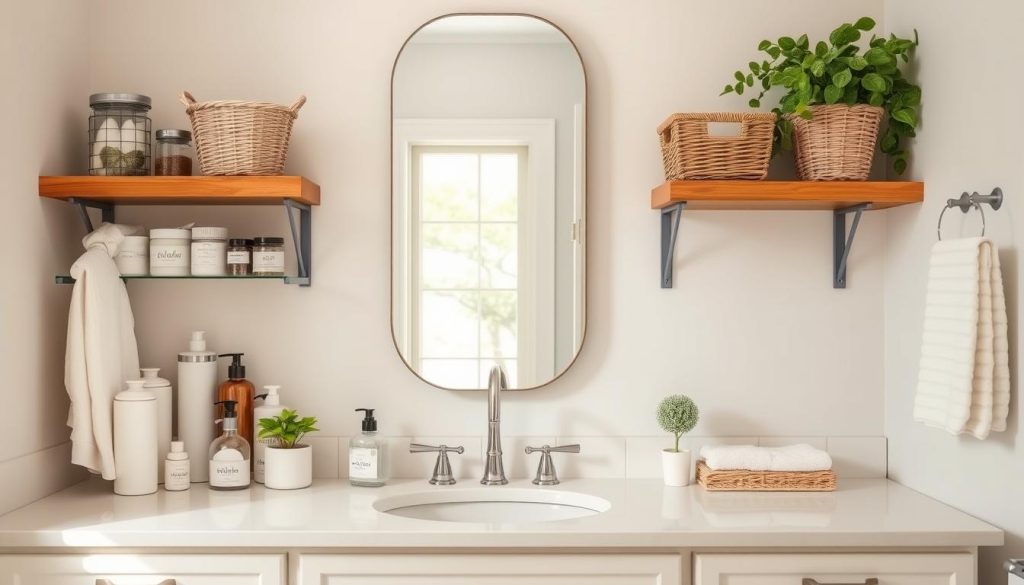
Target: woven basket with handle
<point>235,137</point>
<point>837,143</point>
<point>689,151</point>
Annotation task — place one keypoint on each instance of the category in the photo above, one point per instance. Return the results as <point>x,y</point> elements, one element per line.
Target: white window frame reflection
<point>536,271</point>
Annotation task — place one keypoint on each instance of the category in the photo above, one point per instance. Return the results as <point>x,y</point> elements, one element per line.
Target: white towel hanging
<point>964,378</point>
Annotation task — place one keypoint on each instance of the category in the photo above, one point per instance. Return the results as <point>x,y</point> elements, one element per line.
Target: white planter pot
<point>675,467</point>
<point>289,469</point>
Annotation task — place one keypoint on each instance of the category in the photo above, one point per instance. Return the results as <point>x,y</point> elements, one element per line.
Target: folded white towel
<point>800,457</point>
<point>964,378</point>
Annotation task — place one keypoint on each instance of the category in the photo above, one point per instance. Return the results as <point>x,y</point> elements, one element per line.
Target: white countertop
<point>643,514</point>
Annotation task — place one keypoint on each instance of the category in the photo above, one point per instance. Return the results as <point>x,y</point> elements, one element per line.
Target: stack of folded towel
<point>801,457</point>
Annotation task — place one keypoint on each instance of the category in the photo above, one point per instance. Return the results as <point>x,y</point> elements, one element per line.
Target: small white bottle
<point>135,440</point>
<point>270,408</point>
<point>229,454</point>
<point>176,468</point>
<point>367,454</point>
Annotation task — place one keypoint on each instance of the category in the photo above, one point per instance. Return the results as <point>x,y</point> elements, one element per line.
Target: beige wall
<point>44,97</point>
<point>969,140</point>
<point>753,329</point>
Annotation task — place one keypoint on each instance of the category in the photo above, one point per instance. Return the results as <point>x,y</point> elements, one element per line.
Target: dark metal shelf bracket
<point>842,242</point>
<point>302,237</point>
<point>670,217</point>
<point>83,205</point>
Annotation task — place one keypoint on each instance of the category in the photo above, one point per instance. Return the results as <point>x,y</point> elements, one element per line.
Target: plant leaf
<point>857,63</point>
<point>754,103</point>
<point>907,116</point>
<point>842,78</point>
<point>802,42</point>
<point>899,164</point>
<point>873,82</point>
<point>876,99</point>
<point>864,23</point>
<point>739,76</point>
<point>787,43</point>
<point>774,52</point>
<point>728,89</point>
<point>877,56</point>
<point>755,67</point>
<point>832,94</point>
<point>764,45</point>
<point>818,68</point>
<point>821,48</point>
<point>739,87</point>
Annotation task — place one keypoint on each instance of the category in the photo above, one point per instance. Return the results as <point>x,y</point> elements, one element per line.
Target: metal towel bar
<point>965,202</point>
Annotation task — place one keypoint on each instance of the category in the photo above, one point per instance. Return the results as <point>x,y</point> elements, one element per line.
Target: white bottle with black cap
<point>135,440</point>
<point>197,388</point>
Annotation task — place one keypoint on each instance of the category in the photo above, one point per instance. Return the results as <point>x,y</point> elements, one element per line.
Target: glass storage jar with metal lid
<point>119,132</point>
<point>209,251</point>
<point>240,256</point>
<point>173,153</point>
<point>268,256</point>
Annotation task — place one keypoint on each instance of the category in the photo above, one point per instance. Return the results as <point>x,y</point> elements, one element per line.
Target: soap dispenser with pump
<point>229,454</point>
<point>367,454</point>
<point>270,408</point>
<point>240,390</point>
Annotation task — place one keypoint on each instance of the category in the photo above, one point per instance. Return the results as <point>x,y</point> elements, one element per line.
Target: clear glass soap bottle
<point>367,454</point>
<point>230,454</point>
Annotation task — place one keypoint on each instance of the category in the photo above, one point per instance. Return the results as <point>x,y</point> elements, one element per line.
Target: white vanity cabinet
<point>828,569</point>
<point>488,569</point>
<point>143,569</point>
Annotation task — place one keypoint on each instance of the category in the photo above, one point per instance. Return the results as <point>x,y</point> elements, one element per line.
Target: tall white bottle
<point>271,407</point>
<point>135,440</point>
<point>161,387</point>
<point>197,388</point>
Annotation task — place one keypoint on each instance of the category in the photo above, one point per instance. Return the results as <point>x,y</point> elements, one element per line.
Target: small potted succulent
<point>834,97</point>
<point>289,462</point>
<point>677,414</point>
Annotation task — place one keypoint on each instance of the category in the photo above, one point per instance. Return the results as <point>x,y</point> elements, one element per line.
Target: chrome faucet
<point>494,470</point>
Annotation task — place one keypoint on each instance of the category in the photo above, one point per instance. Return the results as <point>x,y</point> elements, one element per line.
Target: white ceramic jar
<point>132,257</point>
<point>209,251</point>
<point>135,440</point>
<point>169,251</point>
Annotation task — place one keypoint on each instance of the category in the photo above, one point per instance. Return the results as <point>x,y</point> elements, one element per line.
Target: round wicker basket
<point>837,143</point>
<point>235,137</point>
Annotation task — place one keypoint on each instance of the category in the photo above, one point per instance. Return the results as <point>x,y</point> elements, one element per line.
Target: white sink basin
<point>492,505</point>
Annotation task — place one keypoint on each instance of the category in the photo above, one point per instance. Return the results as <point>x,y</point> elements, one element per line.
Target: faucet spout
<point>494,470</point>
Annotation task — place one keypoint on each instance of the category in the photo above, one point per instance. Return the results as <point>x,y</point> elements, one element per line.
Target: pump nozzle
<point>270,397</point>
<point>369,423</point>
<point>230,420</point>
<point>236,371</point>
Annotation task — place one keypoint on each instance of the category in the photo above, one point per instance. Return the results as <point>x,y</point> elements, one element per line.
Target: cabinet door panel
<point>490,570</point>
<point>120,569</point>
<point>792,569</point>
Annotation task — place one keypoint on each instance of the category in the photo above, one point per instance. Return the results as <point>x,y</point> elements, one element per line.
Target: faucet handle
<point>442,467</point>
<point>546,469</point>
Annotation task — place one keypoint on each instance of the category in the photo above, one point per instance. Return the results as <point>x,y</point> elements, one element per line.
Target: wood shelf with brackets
<point>839,197</point>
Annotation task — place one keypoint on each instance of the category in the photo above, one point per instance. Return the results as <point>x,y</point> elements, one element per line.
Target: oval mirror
<point>488,201</point>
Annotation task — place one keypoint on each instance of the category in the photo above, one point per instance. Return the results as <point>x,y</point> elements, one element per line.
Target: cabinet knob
<point>109,582</point>
<point>869,581</point>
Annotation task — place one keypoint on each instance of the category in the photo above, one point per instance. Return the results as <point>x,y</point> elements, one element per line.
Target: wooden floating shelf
<point>781,195</point>
<point>201,190</point>
<point>842,198</point>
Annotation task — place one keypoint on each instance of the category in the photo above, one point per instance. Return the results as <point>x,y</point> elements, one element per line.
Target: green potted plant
<point>834,96</point>
<point>289,462</point>
<point>677,414</point>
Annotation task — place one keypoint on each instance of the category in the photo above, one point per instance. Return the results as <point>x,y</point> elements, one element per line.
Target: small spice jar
<point>209,251</point>
<point>268,256</point>
<point>173,153</point>
<point>169,251</point>
<point>239,257</point>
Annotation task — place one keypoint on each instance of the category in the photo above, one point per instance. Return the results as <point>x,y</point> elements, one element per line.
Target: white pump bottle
<point>271,407</point>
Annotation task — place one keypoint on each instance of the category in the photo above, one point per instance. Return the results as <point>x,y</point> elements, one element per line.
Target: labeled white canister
<point>209,251</point>
<point>135,440</point>
<point>169,251</point>
<point>161,387</point>
<point>132,257</point>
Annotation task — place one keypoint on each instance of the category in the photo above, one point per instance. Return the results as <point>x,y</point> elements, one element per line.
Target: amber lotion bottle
<point>242,392</point>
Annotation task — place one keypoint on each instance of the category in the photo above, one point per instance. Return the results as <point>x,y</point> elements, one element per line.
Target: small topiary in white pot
<point>677,414</point>
<point>289,462</point>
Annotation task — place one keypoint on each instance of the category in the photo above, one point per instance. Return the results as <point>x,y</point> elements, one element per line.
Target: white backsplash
<point>599,457</point>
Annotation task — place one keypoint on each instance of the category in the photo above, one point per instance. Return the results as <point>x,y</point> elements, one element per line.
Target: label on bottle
<point>168,255</point>
<point>229,468</point>
<point>176,475</point>
<point>268,261</point>
<point>259,458</point>
<point>362,463</point>
<point>238,257</point>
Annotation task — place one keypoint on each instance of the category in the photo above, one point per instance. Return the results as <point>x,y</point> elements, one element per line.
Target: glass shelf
<point>66,279</point>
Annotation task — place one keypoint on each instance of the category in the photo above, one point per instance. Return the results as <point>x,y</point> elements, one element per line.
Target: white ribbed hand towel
<point>799,457</point>
<point>964,380</point>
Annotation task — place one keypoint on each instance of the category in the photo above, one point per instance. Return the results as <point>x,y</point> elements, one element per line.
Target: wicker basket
<point>837,143</point>
<point>742,480</point>
<point>690,152</point>
<point>241,138</point>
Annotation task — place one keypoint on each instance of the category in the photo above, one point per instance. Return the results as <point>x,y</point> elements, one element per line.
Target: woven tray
<point>690,152</point>
<point>765,481</point>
